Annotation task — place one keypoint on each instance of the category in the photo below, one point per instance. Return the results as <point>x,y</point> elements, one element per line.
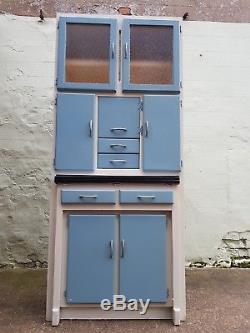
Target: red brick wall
<point>203,10</point>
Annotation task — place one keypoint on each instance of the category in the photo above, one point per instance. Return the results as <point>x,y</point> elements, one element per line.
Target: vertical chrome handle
<point>126,50</point>
<point>91,128</point>
<point>111,249</point>
<point>112,50</point>
<point>122,250</point>
<point>146,128</point>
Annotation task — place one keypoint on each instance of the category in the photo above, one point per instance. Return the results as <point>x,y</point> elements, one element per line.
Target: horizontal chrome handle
<point>117,145</point>
<point>87,196</point>
<point>118,129</point>
<point>117,161</point>
<point>146,197</point>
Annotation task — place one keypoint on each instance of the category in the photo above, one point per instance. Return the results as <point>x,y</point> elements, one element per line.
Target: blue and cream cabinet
<point>115,225</point>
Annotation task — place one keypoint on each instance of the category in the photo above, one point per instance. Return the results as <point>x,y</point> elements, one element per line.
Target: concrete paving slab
<point>218,301</point>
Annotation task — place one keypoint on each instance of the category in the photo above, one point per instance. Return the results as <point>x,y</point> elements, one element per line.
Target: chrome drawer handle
<point>117,161</point>
<point>87,196</point>
<point>118,146</point>
<point>111,249</point>
<point>146,197</point>
<point>114,129</point>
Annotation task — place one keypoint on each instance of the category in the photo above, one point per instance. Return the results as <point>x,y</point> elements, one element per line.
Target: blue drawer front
<point>91,196</point>
<point>118,161</point>
<point>155,197</point>
<point>118,146</point>
<point>119,117</point>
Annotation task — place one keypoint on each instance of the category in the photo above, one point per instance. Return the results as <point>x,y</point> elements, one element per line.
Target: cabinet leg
<point>177,316</point>
<point>55,316</point>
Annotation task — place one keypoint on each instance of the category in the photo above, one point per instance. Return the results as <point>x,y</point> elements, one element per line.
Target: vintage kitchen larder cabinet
<point>115,217</point>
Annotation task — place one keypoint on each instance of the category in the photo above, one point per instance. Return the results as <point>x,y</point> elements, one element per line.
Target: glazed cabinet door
<point>90,259</point>
<point>143,257</point>
<point>161,135</point>
<point>87,53</point>
<point>74,132</point>
<point>151,55</point>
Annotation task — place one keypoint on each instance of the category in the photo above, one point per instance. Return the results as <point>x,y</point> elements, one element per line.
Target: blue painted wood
<point>87,196</point>
<point>146,197</point>
<point>118,161</point>
<point>161,143</point>
<point>118,146</point>
<point>119,113</point>
<point>89,266</point>
<point>127,85</point>
<point>61,83</point>
<point>74,145</point>
<point>143,267</point>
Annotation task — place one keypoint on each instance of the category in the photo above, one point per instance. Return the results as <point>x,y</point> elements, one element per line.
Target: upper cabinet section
<point>103,53</point>
<point>151,55</point>
<point>87,53</point>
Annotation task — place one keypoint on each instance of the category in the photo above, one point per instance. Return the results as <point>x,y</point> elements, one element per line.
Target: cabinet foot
<point>177,316</point>
<point>55,316</point>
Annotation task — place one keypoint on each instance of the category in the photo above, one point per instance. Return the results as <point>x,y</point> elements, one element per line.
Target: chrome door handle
<point>117,161</point>
<point>111,249</point>
<point>122,249</point>
<point>146,197</point>
<point>112,50</point>
<point>87,196</point>
<point>146,128</point>
<point>91,128</point>
<point>114,129</point>
<point>126,50</point>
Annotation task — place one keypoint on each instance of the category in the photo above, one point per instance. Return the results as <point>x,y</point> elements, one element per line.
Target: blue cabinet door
<point>87,53</point>
<point>143,258</point>
<point>90,263</point>
<point>151,56</point>
<point>119,117</point>
<point>74,132</point>
<point>161,137</point>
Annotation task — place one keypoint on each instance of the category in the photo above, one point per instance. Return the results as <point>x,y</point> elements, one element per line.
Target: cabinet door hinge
<point>54,162</point>
<point>180,29</point>
<point>181,103</point>
<point>181,84</point>
<point>58,25</point>
<point>65,294</point>
<point>56,101</point>
<point>141,105</point>
<point>167,294</point>
<point>56,81</point>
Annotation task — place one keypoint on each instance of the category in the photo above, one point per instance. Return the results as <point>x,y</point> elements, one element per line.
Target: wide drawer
<point>84,196</point>
<point>118,161</point>
<point>115,146</point>
<point>152,197</point>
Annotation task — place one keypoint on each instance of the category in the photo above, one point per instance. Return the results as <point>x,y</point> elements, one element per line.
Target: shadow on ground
<point>218,300</point>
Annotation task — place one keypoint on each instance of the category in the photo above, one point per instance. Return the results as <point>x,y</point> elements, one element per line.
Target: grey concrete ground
<point>218,300</point>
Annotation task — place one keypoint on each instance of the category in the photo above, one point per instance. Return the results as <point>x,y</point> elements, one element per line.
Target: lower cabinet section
<point>106,251</point>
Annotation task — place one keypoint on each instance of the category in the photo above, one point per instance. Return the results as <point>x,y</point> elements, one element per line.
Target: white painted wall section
<point>216,137</point>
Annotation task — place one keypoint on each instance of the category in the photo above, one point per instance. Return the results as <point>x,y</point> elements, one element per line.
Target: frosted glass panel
<point>87,53</point>
<point>151,54</point>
